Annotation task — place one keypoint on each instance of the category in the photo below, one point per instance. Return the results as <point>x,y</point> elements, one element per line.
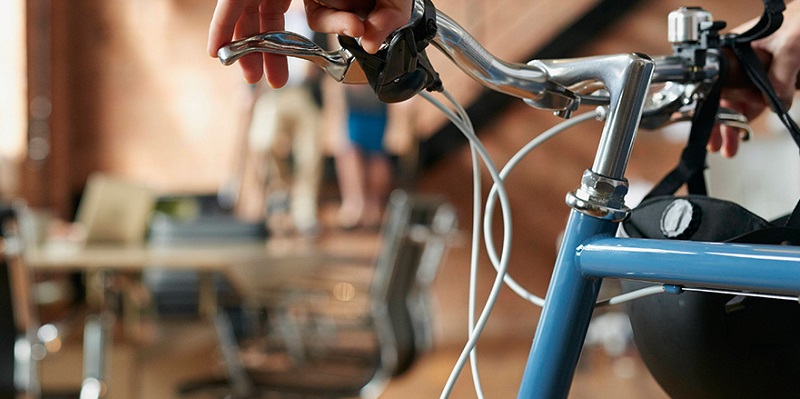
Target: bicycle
<point>627,89</point>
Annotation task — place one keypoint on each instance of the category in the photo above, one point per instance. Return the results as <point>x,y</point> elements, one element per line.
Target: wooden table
<point>251,267</point>
<point>100,263</point>
<point>248,266</point>
<point>215,257</point>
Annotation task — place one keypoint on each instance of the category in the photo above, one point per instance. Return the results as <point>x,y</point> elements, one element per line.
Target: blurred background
<point>126,89</point>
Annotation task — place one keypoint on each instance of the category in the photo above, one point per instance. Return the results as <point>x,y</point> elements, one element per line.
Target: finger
<point>381,22</point>
<point>715,140</point>
<point>730,141</point>
<point>329,20</point>
<point>272,18</point>
<point>248,25</point>
<point>749,102</point>
<point>784,64</point>
<point>725,139</point>
<point>783,75</point>
<point>223,23</point>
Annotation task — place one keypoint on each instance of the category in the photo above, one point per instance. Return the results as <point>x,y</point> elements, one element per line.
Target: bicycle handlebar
<point>529,82</point>
<point>558,85</point>
<point>536,82</point>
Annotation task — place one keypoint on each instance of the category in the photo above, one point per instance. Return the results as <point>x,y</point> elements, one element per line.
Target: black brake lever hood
<point>401,69</point>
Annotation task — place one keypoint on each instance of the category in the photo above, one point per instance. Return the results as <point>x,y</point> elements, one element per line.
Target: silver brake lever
<point>725,116</point>
<point>729,117</point>
<point>339,64</point>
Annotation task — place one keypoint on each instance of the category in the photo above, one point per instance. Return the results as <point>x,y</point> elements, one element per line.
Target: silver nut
<point>603,190</point>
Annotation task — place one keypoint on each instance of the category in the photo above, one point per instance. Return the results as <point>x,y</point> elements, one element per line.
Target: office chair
<point>363,353</point>
<point>24,342</point>
<point>18,321</point>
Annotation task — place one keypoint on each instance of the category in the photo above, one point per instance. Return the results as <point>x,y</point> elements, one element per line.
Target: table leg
<point>96,343</point>
<point>207,295</point>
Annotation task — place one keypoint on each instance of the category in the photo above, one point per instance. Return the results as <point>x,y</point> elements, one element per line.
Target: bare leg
<point>379,182</point>
<point>307,153</point>
<point>350,173</point>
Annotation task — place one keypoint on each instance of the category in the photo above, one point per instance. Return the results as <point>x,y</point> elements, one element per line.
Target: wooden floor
<point>172,351</point>
<point>186,351</point>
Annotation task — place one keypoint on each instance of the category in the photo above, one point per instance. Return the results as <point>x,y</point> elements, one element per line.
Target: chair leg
<point>240,384</point>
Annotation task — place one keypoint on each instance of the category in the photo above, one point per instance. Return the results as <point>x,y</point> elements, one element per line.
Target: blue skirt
<point>366,131</point>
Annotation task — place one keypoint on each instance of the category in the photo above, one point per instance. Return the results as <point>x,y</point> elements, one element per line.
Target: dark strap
<point>770,21</point>
<point>693,158</point>
<point>755,71</point>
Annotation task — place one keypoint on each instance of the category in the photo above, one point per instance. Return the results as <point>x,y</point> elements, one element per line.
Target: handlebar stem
<point>626,77</point>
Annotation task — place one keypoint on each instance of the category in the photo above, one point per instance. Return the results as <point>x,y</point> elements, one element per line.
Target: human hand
<point>781,53</point>
<point>370,20</point>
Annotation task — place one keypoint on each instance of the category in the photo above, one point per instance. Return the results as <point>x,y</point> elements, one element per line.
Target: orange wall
<point>135,94</point>
<point>150,105</point>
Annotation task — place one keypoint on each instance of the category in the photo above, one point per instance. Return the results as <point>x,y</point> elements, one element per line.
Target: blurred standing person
<point>284,144</point>
<point>363,166</point>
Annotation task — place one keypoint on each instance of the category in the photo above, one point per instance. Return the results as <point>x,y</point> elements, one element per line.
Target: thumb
<point>380,23</point>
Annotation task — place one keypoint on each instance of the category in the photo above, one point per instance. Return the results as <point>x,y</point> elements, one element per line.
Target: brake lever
<point>672,104</point>
<point>338,64</point>
<point>401,69</point>
<point>397,72</point>
<point>735,119</point>
<point>725,116</point>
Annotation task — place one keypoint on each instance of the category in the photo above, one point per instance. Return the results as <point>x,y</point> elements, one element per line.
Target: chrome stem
<point>626,77</point>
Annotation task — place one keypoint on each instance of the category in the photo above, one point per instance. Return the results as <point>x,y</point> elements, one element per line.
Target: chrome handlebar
<point>519,80</point>
<point>637,90</point>
<point>531,82</point>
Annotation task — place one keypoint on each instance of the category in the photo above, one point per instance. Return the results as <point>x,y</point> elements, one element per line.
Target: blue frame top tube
<point>746,267</point>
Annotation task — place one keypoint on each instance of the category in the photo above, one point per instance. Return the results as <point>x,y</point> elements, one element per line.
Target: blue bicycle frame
<point>590,252</point>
